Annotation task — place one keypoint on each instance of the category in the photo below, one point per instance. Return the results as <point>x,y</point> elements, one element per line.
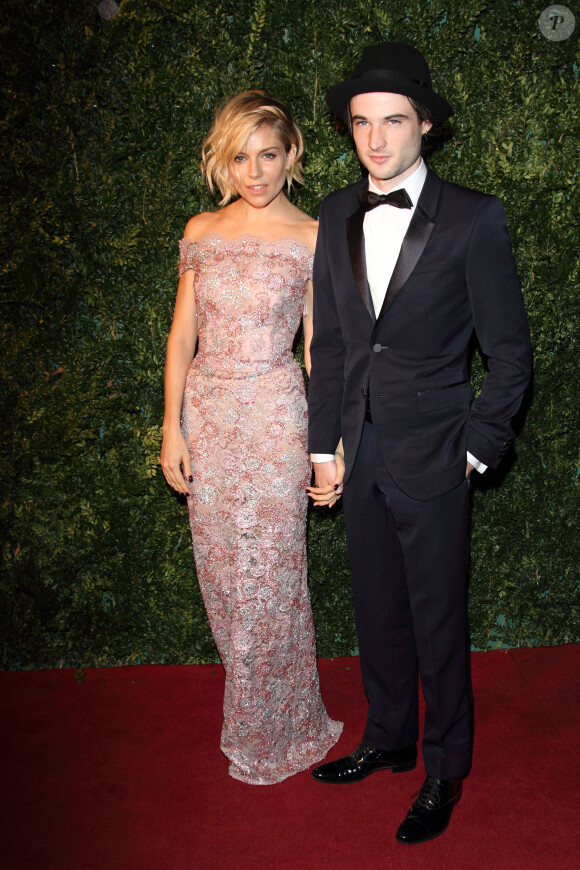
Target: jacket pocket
<point>444,397</point>
<point>435,265</point>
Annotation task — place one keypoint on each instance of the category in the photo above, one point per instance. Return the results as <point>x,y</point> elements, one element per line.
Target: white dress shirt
<point>384,229</point>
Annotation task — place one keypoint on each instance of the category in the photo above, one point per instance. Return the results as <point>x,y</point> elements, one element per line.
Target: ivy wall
<point>102,122</point>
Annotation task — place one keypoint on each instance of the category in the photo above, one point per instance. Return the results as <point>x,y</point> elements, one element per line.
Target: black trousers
<point>408,563</point>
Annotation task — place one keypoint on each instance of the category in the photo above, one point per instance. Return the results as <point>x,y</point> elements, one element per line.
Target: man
<point>400,284</point>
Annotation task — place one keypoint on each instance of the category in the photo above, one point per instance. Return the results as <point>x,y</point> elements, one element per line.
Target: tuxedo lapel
<point>416,238</point>
<point>356,248</point>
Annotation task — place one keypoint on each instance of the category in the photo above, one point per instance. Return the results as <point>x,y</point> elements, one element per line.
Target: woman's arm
<point>307,326</point>
<point>175,461</point>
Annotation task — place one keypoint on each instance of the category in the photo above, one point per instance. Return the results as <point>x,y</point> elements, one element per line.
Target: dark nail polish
<point>335,486</point>
<point>190,478</point>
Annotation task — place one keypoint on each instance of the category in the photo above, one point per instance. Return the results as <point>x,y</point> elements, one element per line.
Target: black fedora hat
<point>396,68</point>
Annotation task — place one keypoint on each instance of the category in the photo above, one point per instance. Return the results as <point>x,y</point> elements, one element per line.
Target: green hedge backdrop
<point>102,126</point>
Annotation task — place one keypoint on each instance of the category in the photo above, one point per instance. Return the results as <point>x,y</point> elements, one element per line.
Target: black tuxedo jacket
<point>455,273</point>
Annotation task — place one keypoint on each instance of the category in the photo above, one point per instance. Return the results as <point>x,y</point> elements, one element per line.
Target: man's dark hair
<point>433,138</point>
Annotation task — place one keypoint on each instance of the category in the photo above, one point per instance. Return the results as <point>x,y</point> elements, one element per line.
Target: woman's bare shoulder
<point>200,224</point>
<point>305,229</point>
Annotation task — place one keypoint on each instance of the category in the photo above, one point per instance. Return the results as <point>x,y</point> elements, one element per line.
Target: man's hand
<point>329,478</point>
<point>468,469</point>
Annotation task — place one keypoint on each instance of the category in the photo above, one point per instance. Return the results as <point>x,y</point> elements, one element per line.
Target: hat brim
<point>339,96</point>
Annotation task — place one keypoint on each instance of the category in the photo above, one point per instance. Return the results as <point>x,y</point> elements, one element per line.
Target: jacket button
<point>377,348</point>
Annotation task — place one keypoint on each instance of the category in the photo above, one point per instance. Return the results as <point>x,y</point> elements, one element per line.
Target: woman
<point>239,452</point>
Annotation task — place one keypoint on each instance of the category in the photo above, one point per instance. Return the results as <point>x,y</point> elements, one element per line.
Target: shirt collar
<point>413,184</point>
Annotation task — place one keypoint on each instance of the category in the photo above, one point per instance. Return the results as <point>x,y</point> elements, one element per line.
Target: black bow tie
<point>369,200</point>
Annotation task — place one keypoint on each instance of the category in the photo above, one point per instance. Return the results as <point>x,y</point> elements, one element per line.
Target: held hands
<point>175,461</point>
<point>329,477</point>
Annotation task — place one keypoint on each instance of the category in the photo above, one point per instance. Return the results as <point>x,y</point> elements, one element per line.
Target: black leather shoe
<point>430,814</point>
<point>364,761</point>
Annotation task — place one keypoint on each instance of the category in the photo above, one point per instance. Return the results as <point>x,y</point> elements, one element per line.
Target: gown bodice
<point>249,297</point>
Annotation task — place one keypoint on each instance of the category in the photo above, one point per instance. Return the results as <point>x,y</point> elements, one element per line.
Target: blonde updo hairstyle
<point>233,125</point>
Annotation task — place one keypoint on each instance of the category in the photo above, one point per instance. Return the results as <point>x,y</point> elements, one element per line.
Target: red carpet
<point>124,772</point>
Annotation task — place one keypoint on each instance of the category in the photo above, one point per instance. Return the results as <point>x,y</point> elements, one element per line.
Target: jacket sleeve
<point>502,331</point>
<point>327,352</point>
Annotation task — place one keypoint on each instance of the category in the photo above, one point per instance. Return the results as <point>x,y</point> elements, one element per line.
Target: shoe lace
<point>430,793</point>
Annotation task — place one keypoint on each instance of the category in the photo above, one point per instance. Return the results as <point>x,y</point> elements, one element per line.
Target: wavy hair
<point>233,125</point>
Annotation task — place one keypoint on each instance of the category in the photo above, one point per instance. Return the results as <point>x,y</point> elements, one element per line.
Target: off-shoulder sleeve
<point>187,249</point>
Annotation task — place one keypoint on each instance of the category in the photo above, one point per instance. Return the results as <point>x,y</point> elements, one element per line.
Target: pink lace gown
<point>245,419</point>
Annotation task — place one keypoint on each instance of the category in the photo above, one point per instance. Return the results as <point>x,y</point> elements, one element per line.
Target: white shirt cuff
<point>479,466</point>
<point>322,457</point>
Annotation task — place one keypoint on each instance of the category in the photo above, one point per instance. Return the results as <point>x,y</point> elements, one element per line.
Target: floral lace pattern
<point>244,416</point>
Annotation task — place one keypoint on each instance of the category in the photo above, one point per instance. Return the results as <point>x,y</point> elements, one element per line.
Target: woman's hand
<point>329,477</point>
<point>175,461</point>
